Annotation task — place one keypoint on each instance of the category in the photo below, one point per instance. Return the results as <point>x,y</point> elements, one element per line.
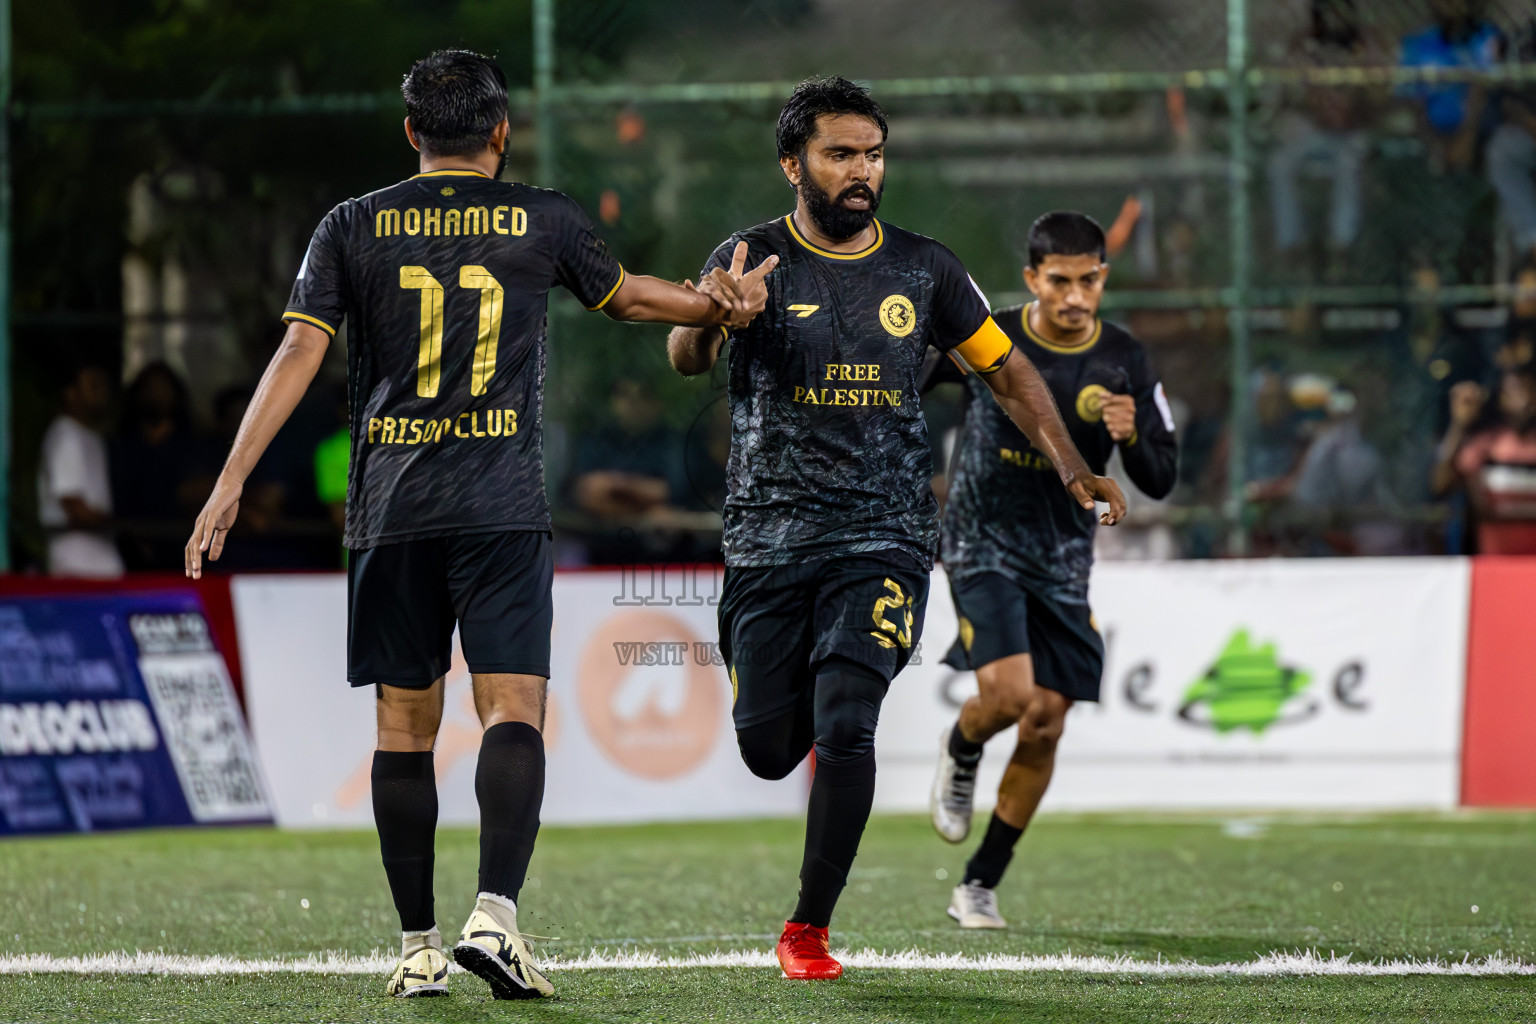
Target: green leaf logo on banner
<point>1247,687</point>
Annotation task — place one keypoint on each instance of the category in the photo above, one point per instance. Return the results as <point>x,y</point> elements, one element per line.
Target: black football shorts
<point>1001,617</point>
<point>404,599</point>
<point>779,624</point>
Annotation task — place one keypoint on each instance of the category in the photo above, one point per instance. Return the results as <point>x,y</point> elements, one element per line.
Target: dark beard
<point>832,218</point>
<point>501,164</point>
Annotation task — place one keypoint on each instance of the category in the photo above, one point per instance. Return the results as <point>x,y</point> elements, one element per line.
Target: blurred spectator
<point>1341,469</point>
<point>1275,447</point>
<point>1497,463</point>
<point>1511,155</point>
<point>1338,484</point>
<point>1338,468</point>
<point>629,479</point>
<point>1456,114</point>
<point>261,538</point>
<point>1439,356</point>
<point>74,490</point>
<point>630,468</point>
<point>1323,135</point>
<point>158,480</point>
<point>229,407</point>
<point>1519,344</point>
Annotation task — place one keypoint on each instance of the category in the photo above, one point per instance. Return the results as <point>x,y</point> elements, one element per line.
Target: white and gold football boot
<point>493,950</point>
<point>422,972</point>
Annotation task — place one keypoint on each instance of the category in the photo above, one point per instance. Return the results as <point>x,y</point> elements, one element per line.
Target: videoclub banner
<point>117,712</point>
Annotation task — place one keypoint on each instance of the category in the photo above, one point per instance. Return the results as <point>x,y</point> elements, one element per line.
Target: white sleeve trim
<point>984,300</point>
<point>1161,401</point>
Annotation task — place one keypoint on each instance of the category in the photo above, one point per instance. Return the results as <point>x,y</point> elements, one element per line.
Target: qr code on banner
<point>205,734</point>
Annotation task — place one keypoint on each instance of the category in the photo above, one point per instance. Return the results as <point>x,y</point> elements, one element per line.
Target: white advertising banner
<point>1244,685</point>
<point>1284,684</point>
<point>638,724</point>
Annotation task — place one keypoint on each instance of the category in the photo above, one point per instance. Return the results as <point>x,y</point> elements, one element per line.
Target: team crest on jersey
<point>898,316</point>
<point>446,190</point>
<point>1090,403</point>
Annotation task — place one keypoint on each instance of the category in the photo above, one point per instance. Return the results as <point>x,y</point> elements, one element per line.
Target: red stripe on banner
<point>1498,760</point>
<point>212,590</point>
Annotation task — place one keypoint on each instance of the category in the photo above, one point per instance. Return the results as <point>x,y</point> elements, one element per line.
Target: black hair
<point>1336,23</point>
<point>1065,233</point>
<point>69,374</point>
<point>229,398</point>
<point>181,398</point>
<point>455,99</point>
<point>815,97</point>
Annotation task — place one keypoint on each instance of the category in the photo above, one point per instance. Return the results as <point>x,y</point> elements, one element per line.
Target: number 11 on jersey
<point>430,356</point>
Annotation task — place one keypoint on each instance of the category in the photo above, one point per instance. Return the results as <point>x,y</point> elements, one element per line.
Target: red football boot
<point>802,952</point>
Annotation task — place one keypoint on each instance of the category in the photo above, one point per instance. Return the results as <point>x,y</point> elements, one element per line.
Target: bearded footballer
<point>830,524</point>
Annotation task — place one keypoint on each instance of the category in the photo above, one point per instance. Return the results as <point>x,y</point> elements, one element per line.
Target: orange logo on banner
<point>650,707</point>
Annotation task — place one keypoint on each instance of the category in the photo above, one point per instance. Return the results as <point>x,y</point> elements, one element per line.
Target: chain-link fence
<point>1315,208</point>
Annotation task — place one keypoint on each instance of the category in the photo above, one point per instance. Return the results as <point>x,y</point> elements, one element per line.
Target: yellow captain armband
<point>987,350</point>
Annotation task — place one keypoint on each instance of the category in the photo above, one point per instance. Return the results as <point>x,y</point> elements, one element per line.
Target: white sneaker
<point>975,906</point>
<point>492,949</point>
<point>954,789</point>
<point>423,973</point>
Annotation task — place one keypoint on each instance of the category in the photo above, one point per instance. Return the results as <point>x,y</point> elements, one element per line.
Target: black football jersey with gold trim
<point>1008,511</point>
<point>443,282</point>
<point>829,449</point>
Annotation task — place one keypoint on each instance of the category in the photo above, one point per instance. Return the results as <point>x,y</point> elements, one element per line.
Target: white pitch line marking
<point>1298,964</point>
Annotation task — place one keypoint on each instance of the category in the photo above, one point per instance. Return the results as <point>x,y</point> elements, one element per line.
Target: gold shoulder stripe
<point>1049,346</point>
<point>327,328</point>
<point>985,350</point>
<point>611,293</point>
<point>794,232</point>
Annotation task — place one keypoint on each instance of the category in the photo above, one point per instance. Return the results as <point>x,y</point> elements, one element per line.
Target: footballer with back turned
<point>830,525</point>
<point>443,281</point>
<point>1018,552</point>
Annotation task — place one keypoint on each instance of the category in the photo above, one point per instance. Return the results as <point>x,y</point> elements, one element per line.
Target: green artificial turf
<point>1202,889</point>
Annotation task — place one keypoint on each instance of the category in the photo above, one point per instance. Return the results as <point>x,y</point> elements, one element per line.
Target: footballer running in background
<point>1018,551</point>
<point>830,524</point>
<point>443,281</point>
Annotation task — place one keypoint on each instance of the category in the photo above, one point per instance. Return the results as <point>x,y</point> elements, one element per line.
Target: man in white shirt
<point>74,491</point>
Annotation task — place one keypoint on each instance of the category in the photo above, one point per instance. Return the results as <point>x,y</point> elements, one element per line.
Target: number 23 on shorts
<point>892,633</point>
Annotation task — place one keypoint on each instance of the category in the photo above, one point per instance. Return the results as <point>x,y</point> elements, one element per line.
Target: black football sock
<point>405,811</point>
<point>986,867</point>
<point>509,783</point>
<point>841,796</point>
<point>965,752</point>
<point>847,708</point>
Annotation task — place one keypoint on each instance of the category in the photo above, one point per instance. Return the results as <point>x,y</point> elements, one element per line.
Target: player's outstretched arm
<point>723,299</point>
<point>693,350</point>
<point>286,379</point>
<point>1026,399</point>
